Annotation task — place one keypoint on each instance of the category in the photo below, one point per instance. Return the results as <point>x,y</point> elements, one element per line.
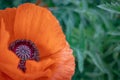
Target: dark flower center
<point>25,50</point>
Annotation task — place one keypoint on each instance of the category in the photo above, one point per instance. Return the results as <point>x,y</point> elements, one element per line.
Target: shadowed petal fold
<point>8,16</point>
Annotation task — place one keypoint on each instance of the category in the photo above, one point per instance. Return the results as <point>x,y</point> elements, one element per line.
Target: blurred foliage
<point>92,28</point>
<point>113,7</point>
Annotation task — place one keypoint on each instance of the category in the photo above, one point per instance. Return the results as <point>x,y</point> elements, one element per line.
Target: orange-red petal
<point>63,68</point>
<point>8,16</point>
<point>8,60</point>
<point>39,25</point>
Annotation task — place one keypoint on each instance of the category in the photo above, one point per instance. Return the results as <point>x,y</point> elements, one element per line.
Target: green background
<point>92,28</point>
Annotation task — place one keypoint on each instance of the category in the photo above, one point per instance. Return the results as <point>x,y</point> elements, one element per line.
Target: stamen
<point>25,50</point>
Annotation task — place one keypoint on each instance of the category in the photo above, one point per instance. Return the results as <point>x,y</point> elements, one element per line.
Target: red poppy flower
<point>33,46</point>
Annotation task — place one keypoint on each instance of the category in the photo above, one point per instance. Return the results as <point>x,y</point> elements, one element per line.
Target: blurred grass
<point>92,28</point>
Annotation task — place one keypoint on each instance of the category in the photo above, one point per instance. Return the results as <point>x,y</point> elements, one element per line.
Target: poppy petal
<point>64,66</point>
<point>4,35</point>
<point>43,65</point>
<point>8,16</point>
<point>38,24</point>
<point>8,60</point>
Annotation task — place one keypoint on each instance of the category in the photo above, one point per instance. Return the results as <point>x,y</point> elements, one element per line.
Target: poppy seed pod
<point>33,46</point>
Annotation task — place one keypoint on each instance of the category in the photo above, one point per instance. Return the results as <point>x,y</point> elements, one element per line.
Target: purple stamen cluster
<point>25,50</point>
